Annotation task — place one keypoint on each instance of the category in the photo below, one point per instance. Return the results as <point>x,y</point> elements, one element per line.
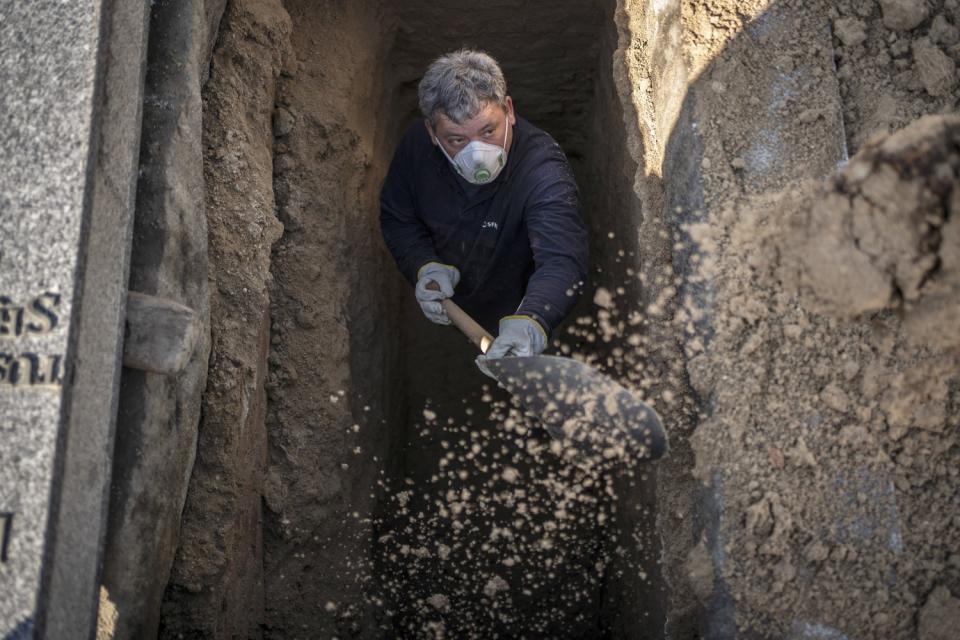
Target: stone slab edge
<point>91,410</point>
<point>65,192</point>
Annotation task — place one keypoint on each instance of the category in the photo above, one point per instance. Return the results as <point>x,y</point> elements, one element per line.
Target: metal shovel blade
<point>583,407</point>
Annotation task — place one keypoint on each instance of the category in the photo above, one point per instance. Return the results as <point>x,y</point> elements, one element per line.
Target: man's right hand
<point>446,278</point>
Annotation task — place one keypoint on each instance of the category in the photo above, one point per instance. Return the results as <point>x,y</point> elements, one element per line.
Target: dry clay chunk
<point>940,617</point>
<point>850,31</point>
<point>937,71</point>
<point>903,15</point>
<point>943,32</point>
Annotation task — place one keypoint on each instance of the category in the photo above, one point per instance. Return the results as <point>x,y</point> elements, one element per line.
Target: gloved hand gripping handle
<point>470,328</point>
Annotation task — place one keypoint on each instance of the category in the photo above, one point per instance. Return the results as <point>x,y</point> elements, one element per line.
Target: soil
<point>332,309</point>
<point>216,586</point>
<point>836,307</point>
<point>792,400</point>
<point>896,61</point>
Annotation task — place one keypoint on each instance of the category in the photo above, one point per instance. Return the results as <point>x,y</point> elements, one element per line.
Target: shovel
<point>576,404</point>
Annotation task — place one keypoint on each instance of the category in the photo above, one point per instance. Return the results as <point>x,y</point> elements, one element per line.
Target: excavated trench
<point>483,528</point>
<point>453,516</point>
<point>355,474</point>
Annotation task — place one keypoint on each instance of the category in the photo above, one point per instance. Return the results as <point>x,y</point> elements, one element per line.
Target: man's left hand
<point>519,336</point>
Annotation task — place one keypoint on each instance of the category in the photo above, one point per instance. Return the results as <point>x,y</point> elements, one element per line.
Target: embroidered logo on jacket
<point>489,224</point>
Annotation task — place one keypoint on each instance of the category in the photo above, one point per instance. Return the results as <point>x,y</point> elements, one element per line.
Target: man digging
<point>481,207</point>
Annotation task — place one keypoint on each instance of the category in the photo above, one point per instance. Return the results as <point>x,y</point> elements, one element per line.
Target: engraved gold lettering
<point>11,318</point>
<point>43,313</point>
<point>6,532</point>
<point>40,315</point>
<point>30,369</point>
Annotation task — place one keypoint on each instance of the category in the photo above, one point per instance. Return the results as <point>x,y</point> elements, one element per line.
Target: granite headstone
<point>70,99</point>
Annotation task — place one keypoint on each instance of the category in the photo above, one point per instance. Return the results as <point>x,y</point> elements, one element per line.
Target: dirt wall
<point>216,587</point>
<point>652,79</point>
<point>332,370</point>
<point>796,530</point>
<point>275,535</point>
<point>608,329</point>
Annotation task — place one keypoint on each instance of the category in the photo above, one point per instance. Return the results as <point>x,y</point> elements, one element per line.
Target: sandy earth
<point>837,305</point>
<point>819,345</point>
<point>218,563</point>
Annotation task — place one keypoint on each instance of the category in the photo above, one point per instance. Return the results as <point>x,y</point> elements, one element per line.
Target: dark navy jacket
<point>519,242</point>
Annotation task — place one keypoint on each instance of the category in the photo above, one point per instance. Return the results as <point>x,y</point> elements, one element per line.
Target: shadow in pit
<point>487,531</point>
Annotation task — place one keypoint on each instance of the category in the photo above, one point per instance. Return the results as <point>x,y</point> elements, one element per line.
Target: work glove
<point>519,336</point>
<point>446,277</point>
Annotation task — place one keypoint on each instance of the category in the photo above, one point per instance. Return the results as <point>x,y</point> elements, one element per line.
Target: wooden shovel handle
<point>470,328</point>
<point>462,320</point>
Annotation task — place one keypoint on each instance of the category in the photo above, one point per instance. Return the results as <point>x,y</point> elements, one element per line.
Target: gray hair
<point>459,84</point>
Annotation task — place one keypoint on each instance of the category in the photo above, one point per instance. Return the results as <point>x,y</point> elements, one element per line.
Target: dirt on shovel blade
<point>577,404</point>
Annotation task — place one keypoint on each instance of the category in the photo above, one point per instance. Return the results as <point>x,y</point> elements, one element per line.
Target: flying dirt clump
<point>940,616</point>
<point>903,15</point>
<point>886,233</point>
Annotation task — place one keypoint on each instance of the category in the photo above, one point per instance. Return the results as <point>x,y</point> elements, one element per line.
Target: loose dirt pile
<point>836,450</point>
<point>886,236</point>
<point>775,93</point>
<point>896,61</point>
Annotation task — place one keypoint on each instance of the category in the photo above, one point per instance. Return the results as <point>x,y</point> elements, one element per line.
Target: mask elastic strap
<point>444,151</point>
<point>447,155</point>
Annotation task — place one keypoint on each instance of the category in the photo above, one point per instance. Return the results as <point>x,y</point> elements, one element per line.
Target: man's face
<point>488,126</point>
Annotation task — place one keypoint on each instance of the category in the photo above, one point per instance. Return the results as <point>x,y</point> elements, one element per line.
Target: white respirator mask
<point>479,162</point>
